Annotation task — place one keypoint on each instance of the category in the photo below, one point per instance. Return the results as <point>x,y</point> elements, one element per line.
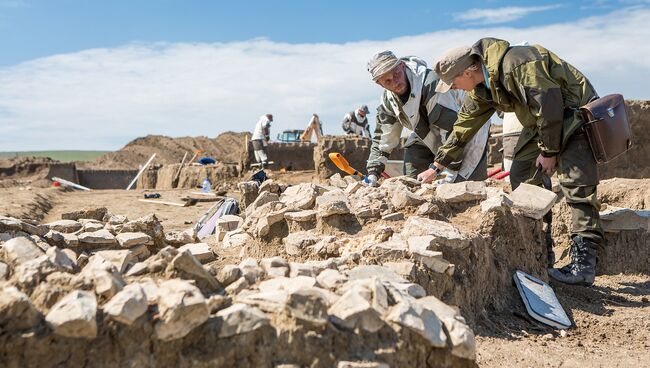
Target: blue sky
<point>97,74</point>
<point>35,28</point>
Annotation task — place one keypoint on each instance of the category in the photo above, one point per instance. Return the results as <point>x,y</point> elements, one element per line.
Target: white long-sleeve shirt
<point>262,125</point>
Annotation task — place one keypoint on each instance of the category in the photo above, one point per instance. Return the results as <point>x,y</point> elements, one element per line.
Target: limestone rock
<point>130,240</point>
<point>387,251</point>
<point>237,286</point>
<point>275,266</point>
<point>16,310</point>
<point>228,274</point>
<point>403,198</point>
<point>149,225</point>
<point>124,257</point>
<point>359,307</point>
<point>61,259</point>
<point>532,201</point>
<point>93,226</point>
<point>496,203</point>
<point>445,234</point>
<point>331,279</point>
<point>369,271</point>
<point>249,191</point>
<point>346,364</point>
<point>181,307</point>
<point>189,268</point>
<point>332,204</point>
<point>19,250</point>
<point>30,273</point>
<point>461,335</point>
<point>462,192</point>
<point>269,185</point>
<point>299,197</point>
<point>65,226</point>
<point>239,319</point>
<point>403,269</point>
<point>4,271</point>
<point>427,208</point>
<point>201,251</point>
<point>236,238</point>
<point>308,305</point>
<point>95,214</point>
<point>74,315</point>
<point>227,223</point>
<point>71,240</point>
<point>178,238</point>
<point>127,305</point>
<point>102,237</point>
<point>262,199</point>
<point>421,320</point>
<point>251,270</point>
<point>433,260</point>
<point>296,243</point>
<point>337,181</point>
<point>287,284</point>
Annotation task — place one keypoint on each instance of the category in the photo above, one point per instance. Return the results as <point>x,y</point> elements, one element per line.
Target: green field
<point>63,156</point>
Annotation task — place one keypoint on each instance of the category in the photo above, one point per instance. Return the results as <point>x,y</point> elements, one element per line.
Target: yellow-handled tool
<point>344,165</point>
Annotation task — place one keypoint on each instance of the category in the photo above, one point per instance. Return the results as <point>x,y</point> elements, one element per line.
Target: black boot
<point>582,269</point>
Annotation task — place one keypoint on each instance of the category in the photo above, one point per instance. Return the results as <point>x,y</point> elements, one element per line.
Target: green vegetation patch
<point>63,156</point>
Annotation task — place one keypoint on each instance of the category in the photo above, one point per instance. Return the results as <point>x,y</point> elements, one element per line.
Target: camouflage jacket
<point>539,87</point>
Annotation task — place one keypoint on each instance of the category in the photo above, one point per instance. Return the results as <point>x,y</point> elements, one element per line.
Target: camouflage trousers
<point>578,174</point>
<point>418,157</point>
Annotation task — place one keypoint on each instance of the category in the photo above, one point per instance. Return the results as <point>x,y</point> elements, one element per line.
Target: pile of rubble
<point>353,277</point>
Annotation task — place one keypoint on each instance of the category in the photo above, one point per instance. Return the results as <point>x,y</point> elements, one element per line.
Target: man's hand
<point>371,180</point>
<point>547,163</point>
<point>429,175</point>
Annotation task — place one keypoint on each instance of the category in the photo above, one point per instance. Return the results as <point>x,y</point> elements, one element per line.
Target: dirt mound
<point>25,167</point>
<point>227,147</point>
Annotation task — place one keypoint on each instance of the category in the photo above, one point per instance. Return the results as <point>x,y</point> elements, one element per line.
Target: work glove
<point>371,180</point>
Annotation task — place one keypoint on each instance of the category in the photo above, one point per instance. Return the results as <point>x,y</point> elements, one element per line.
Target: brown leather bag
<point>607,127</point>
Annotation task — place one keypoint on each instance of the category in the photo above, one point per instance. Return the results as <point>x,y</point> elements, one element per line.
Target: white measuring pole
<point>141,171</point>
<point>69,183</point>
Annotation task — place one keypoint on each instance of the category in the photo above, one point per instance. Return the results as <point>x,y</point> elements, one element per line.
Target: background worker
<point>409,100</point>
<point>356,122</point>
<point>314,127</point>
<point>545,93</point>
<point>261,137</point>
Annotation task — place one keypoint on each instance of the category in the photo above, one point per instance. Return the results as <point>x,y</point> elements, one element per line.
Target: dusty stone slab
<point>402,198</point>
<point>462,192</point>
<point>395,216</point>
<point>127,305</point>
<point>460,334</point>
<point>308,305</point>
<point>228,274</point>
<point>403,269</point>
<point>181,307</point>
<point>189,268</point>
<point>65,226</point>
<point>444,233</point>
<point>100,237</point>
<point>301,216</point>
<point>369,271</point>
<point>296,243</point>
<point>21,249</point>
<point>419,319</point>
<point>332,204</point>
<point>286,283</point>
<point>532,201</point>
<point>123,257</point>
<point>331,279</point>
<point>16,310</point>
<point>201,251</point>
<point>236,238</point>
<point>4,271</point>
<point>74,315</point>
<point>130,240</point>
<point>299,197</point>
<point>241,318</point>
<point>496,203</point>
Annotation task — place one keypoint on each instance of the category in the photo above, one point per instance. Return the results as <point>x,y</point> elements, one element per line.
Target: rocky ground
<point>319,275</point>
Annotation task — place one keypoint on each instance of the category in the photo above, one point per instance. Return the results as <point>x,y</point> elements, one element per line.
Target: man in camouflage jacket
<point>545,93</point>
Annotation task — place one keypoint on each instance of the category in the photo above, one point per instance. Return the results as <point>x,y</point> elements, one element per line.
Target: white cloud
<point>499,15</point>
<point>103,98</point>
